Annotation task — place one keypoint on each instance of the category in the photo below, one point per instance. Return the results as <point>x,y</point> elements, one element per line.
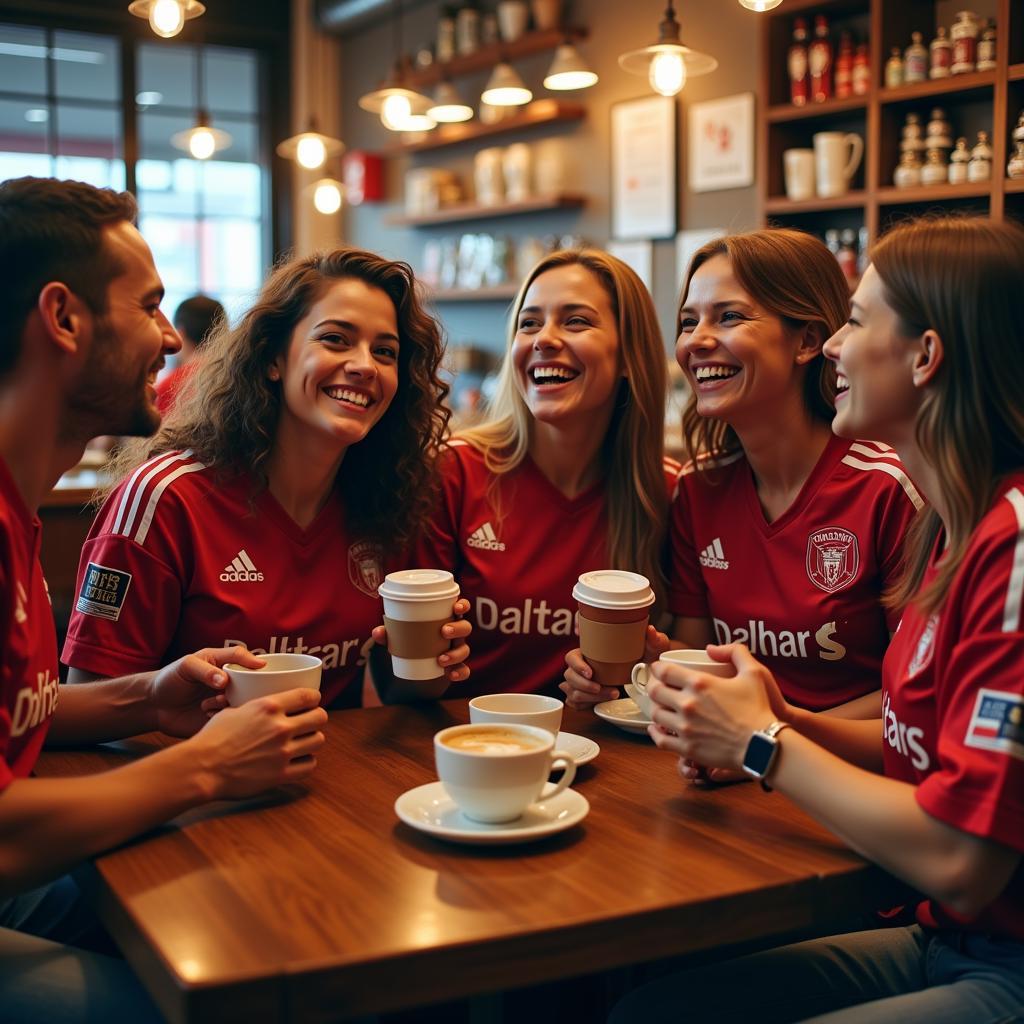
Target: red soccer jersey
<point>953,704</point>
<point>180,558</point>
<point>517,571</point>
<point>28,643</point>
<point>803,592</point>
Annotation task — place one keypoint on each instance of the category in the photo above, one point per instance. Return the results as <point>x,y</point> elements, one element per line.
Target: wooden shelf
<point>977,81</point>
<point>787,112</point>
<point>1013,185</point>
<point>537,113</point>
<point>493,293</point>
<point>892,196</point>
<point>780,204</point>
<point>1016,72</point>
<point>486,57</point>
<point>474,211</point>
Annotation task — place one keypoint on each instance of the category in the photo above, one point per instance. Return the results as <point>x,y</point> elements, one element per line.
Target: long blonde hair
<point>793,276</point>
<point>964,279</point>
<point>637,498</point>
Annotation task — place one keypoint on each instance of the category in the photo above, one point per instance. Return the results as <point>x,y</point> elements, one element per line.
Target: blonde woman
<point>566,475</point>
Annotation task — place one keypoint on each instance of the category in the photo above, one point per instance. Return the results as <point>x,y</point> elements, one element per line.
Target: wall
<point>719,27</point>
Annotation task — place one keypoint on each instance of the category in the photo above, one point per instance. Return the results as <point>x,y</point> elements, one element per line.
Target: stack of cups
<point>417,603</point>
<point>613,615</point>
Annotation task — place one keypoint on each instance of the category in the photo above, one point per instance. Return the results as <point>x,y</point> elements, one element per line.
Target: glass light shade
<point>448,106</point>
<point>166,17</point>
<point>505,88</point>
<point>412,123</point>
<point>201,141</point>
<point>661,62</point>
<point>310,149</point>
<point>569,70</point>
<point>760,5</point>
<point>327,195</point>
<point>667,73</point>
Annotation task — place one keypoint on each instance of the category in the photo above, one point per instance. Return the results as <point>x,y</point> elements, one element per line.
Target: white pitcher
<point>837,156</point>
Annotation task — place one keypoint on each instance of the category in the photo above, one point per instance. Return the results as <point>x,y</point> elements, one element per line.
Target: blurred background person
<point>194,320</point>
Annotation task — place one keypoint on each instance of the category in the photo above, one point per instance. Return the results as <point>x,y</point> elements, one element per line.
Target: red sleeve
<point>687,595</point>
<point>438,545</point>
<point>898,512</point>
<point>978,786</point>
<point>6,683</point>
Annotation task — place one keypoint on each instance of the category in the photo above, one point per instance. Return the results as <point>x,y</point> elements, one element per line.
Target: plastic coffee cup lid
<point>418,585</point>
<point>613,588</point>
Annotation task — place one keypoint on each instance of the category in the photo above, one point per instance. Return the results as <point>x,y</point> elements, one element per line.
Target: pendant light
<point>569,70</point>
<point>327,195</point>
<point>166,17</point>
<point>667,63</point>
<point>201,141</point>
<point>760,5</point>
<point>505,88</point>
<point>448,107</point>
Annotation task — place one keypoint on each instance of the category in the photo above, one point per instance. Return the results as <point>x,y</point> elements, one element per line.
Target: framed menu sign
<point>644,168</point>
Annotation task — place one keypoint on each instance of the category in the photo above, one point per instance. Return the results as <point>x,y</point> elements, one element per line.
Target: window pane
<point>89,146</point>
<point>233,189</point>
<point>87,66</point>
<point>23,126</point>
<point>174,244</point>
<point>231,80</point>
<point>230,255</point>
<point>22,60</point>
<point>170,71</point>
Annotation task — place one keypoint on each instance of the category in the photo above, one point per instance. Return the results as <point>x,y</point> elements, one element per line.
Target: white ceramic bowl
<point>281,672</point>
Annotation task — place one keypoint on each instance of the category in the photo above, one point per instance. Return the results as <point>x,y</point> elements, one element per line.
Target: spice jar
<point>941,54</point>
<point>913,139</point>
<point>861,70</point>
<point>964,34</point>
<point>939,132</point>
<point>915,60</point>
<point>908,174</point>
<point>1015,168</point>
<point>894,69</point>
<point>934,171</point>
<point>958,160</point>
<point>987,46</point>
<point>980,166</point>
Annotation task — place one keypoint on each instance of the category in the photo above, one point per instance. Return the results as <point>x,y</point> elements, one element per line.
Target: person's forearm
<point>856,740</point>
<point>47,825</point>
<point>869,706</point>
<point>102,711</point>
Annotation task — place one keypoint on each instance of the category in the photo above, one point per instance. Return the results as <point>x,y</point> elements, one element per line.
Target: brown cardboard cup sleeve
<point>416,639</point>
<point>612,641</point>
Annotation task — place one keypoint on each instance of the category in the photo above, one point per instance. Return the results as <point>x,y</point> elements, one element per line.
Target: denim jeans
<point>885,976</point>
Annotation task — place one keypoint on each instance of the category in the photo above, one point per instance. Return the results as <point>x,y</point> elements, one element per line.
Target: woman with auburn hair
<point>567,473</point>
<point>929,362</point>
<point>297,462</point>
<point>783,536</point>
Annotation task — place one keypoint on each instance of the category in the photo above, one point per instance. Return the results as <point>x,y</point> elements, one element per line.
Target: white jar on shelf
<point>980,166</point>
<point>908,173</point>
<point>934,171</point>
<point>958,160</point>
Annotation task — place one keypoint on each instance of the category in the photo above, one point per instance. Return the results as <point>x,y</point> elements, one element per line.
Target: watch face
<point>758,755</point>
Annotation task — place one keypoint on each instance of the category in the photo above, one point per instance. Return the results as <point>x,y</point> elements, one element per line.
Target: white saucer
<point>583,749</point>
<point>430,809</point>
<point>624,713</point>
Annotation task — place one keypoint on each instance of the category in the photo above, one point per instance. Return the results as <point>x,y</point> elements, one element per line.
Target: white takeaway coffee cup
<point>697,660</point>
<point>493,772</point>
<point>518,709</point>
<point>281,672</point>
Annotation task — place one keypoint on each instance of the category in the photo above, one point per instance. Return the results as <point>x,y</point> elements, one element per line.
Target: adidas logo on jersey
<point>485,537</point>
<point>713,557</point>
<point>241,570</point>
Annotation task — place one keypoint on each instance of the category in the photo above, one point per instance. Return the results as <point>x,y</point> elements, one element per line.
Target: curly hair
<point>228,410</point>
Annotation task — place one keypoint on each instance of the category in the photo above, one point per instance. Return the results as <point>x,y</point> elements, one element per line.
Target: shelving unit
<point>475,211</point>
<point>986,99</point>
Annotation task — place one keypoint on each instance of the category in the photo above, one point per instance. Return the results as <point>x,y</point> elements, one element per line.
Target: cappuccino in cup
<point>493,741</point>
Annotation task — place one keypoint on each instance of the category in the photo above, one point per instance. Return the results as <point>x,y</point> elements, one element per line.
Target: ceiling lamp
<point>327,195</point>
<point>448,107</point>
<point>667,63</point>
<point>505,88</point>
<point>400,109</point>
<point>166,17</point>
<point>569,70</point>
<point>311,148</point>
<point>760,5</point>
<point>201,141</point>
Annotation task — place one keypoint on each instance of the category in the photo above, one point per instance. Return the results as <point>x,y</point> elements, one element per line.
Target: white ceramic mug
<point>513,19</point>
<point>697,660</point>
<point>499,779</point>
<point>518,709</point>
<point>281,672</point>
<point>798,165</point>
<point>837,156</point>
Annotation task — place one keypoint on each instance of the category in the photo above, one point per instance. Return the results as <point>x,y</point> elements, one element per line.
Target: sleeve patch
<point>997,723</point>
<point>103,591</point>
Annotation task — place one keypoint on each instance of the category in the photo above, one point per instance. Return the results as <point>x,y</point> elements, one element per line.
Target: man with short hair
<point>195,319</point>
<point>81,341</point>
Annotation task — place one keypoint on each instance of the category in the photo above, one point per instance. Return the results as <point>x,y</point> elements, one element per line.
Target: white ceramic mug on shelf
<point>798,165</point>
<point>837,156</point>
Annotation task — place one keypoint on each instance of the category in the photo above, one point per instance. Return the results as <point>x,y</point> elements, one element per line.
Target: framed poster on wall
<point>644,168</point>
<point>721,143</point>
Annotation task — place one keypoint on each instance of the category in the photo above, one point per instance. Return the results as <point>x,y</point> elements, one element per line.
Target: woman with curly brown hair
<point>297,461</point>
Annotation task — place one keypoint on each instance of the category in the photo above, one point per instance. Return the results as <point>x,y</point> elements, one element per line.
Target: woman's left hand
<point>708,719</point>
<point>453,660</point>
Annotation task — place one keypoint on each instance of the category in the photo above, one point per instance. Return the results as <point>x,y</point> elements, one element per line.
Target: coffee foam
<point>492,742</point>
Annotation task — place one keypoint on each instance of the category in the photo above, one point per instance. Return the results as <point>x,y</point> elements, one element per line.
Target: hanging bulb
<point>311,148</point>
<point>396,109</point>
<point>327,196</point>
<point>760,5</point>
<point>667,73</point>
<point>311,152</point>
<point>201,143</point>
<point>448,106</point>
<point>166,17</point>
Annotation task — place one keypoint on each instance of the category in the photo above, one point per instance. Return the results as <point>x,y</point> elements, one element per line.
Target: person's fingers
<point>300,746</point>
<point>576,662</point>
<point>457,673</point>
<point>457,630</point>
<point>738,654</point>
<point>675,676</point>
<point>291,702</point>
<point>214,704</point>
<point>460,607</point>
<point>299,768</point>
<point>581,683</point>
<point>380,635</point>
<point>455,655</point>
<point>196,669</point>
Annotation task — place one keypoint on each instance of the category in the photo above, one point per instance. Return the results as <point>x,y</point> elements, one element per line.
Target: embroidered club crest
<point>366,567</point>
<point>833,558</point>
<point>925,648</point>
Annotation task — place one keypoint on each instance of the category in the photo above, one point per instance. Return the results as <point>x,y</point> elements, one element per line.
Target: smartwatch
<point>762,751</point>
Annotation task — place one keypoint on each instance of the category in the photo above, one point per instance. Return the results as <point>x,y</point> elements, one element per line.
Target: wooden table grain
<point>317,903</point>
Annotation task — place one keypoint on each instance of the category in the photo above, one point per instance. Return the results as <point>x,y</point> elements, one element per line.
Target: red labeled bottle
<point>799,77</point>
<point>861,70</point>
<point>819,59</point>
<point>844,67</point>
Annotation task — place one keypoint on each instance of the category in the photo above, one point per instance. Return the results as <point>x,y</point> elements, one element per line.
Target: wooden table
<point>319,903</point>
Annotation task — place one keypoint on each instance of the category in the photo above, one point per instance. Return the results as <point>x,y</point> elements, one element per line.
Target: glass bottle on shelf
<point>958,160</point>
<point>844,67</point>
<point>987,46</point>
<point>799,77</point>
<point>964,34</point>
<point>832,241</point>
<point>980,166</point>
<point>847,255</point>
<point>863,251</point>
<point>939,134</point>
<point>941,55</point>
<point>915,60</point>
<point>467,29</point>
<point>908,173</point>
<point>912,136</point>
<point>819,59</point>
<point>1015,168</point>
<point>894,69</point>
<point>445,48</point>
<point>861,70</point>
<point>1018,131</point>
<point>934,171</point>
